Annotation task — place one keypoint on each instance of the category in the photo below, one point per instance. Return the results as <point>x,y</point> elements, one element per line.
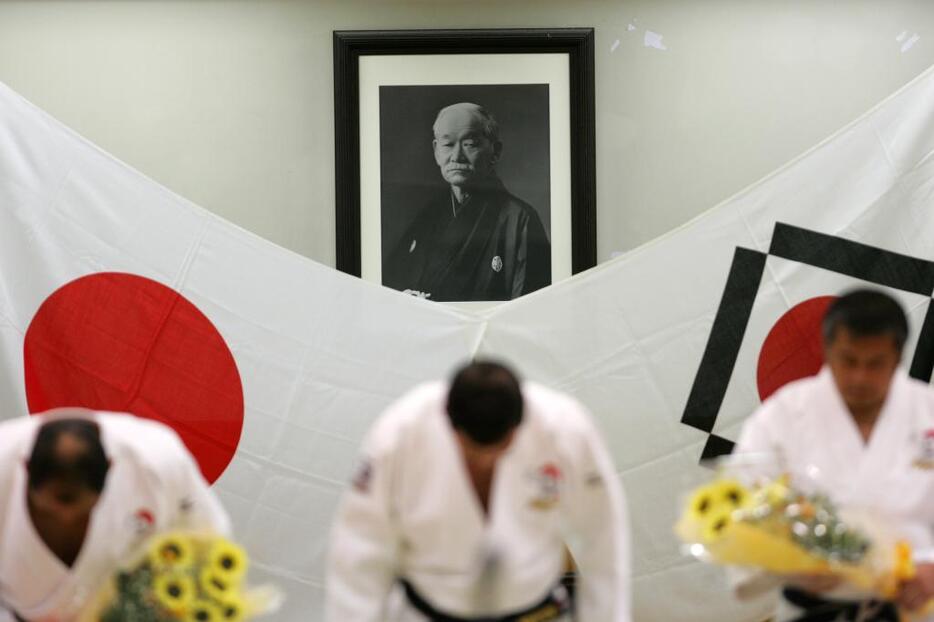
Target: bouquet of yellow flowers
<point>777,528</point>
<point>181,577</point>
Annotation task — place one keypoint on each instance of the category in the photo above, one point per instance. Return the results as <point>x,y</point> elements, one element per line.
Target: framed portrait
<point>465,159</point>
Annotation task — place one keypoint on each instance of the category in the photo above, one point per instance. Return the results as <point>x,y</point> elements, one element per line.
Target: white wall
<point>229,103</point>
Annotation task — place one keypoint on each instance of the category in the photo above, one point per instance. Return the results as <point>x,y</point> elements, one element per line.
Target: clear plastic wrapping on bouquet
<point>753,514</point>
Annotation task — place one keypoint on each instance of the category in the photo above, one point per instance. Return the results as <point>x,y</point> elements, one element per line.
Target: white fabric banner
<point>664,344</point>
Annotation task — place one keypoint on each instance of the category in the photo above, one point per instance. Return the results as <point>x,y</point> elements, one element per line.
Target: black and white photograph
<point>465,165</point>
<point>465,190</point>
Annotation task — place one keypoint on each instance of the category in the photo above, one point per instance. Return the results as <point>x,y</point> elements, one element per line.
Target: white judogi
<point>809,432</point>
<point>413,513</point>
<point>153,485</point>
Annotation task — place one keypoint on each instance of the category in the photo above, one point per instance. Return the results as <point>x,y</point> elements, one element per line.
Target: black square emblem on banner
<point>867,263</point>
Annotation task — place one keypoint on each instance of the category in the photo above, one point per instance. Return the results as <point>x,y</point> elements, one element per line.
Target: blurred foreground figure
<point>79,490</point>
<point>463,504</point>
<point>862,431</point>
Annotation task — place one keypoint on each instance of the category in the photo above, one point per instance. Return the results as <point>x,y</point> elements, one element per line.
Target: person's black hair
<point>866,313</point>
<point>485,401</point>
<point>86,467</point>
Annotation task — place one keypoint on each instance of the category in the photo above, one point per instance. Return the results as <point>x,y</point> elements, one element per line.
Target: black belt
<point>817,609</point>
<point>555,604</point>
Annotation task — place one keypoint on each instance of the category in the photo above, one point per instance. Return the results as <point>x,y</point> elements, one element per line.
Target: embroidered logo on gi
<point>412,245</point>
<point>142,521</point>
<point>548,478</point>
<point>497,264</point>
<point>361,481</point>
<point>925,457</point>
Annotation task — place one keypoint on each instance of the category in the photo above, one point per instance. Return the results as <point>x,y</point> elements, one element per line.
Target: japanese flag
<point>117,294</point>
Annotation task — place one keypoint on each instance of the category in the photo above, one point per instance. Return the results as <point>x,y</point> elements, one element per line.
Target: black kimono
<point>495,248</point>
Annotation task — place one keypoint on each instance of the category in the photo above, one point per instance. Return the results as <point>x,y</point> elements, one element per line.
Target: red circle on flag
<point>793,349</point>
<point>125,343</point>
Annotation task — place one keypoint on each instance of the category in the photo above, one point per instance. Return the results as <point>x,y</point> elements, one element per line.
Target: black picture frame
<point>576,43</point>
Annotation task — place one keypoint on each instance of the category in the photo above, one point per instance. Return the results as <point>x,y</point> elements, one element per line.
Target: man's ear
<point>497,150</point>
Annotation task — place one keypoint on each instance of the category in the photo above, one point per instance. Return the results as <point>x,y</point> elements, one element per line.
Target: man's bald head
<point>68,451</point>
<point>485,121</point>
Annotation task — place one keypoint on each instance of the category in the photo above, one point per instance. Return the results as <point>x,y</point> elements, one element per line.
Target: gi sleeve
<point>755,436</point>
<point>194,504</point>
<point>758,453</point>
<point>362,560</point>
<point>599,529</point>
<point>755,456</point>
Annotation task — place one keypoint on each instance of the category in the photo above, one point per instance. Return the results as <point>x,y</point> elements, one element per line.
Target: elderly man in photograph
<point>475,241</point>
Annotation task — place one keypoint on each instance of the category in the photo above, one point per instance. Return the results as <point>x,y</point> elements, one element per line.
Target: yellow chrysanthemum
<point>227,559</point>
<point>173,591</point>
<point>233,607</point>
<point>216,584</point>
<point>171,551</point>
<point>203,611</point>
<point>716,522</point>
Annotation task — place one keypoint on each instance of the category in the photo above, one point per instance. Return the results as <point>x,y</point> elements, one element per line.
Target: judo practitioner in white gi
<point>464,501</point>
<point>79,490</point>
<point>861,431</point>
